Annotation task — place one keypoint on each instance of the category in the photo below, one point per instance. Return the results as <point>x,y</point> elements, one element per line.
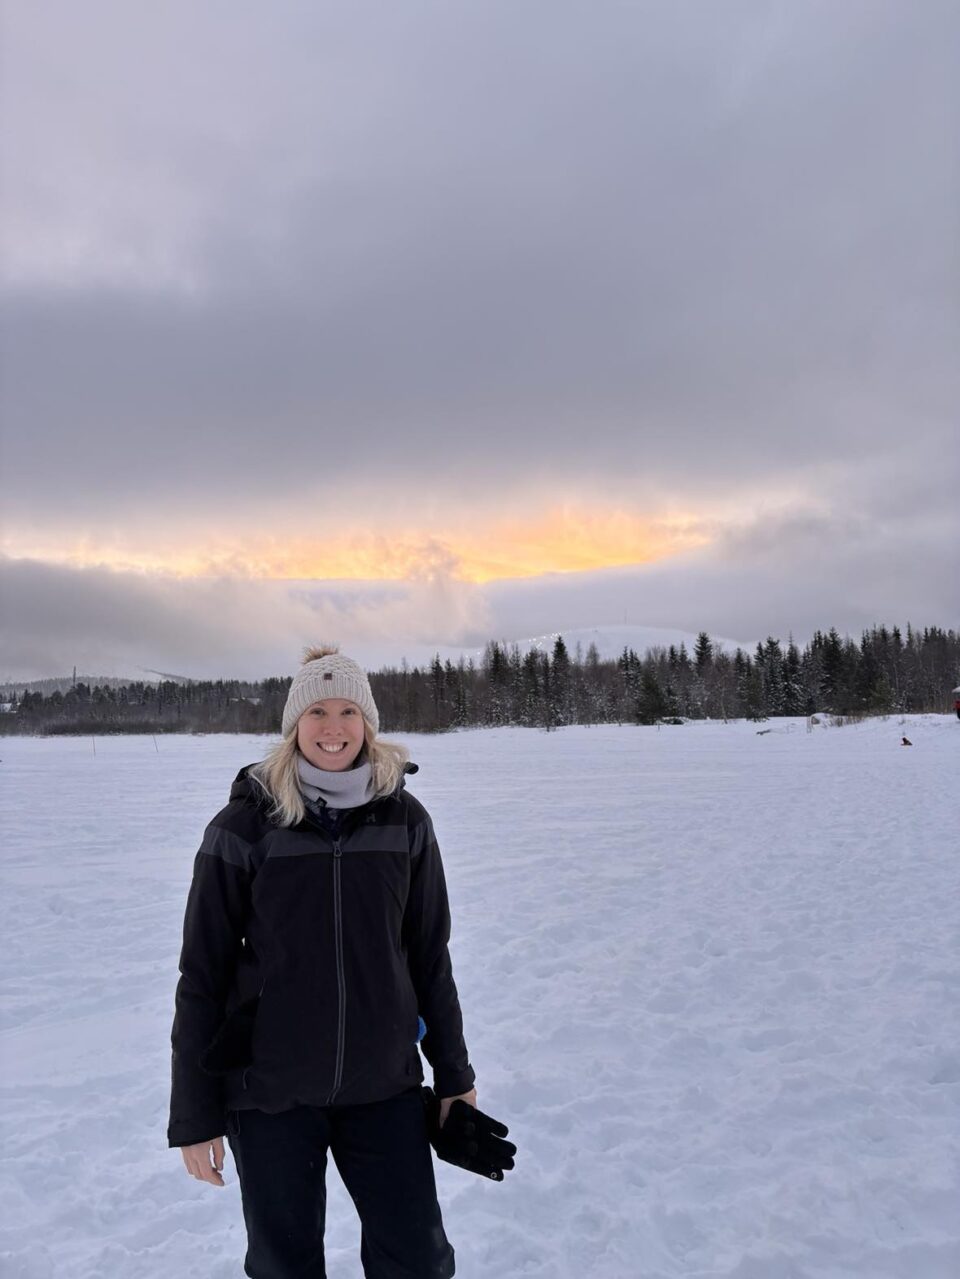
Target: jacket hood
<point>244,787</point>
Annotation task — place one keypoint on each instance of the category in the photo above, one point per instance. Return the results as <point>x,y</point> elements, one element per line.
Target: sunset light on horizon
<point>560,541</point>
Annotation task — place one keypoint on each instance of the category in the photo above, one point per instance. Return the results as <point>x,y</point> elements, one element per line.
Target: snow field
<point>710,979</point>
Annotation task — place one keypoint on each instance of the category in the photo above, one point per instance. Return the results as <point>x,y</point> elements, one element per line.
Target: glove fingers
<point>497,1150</point>
<point>493,1169</point>
<point>483,1168</point>
<point>490,1169</point>
<point>501,1156</point>
<point>495,1153</point>
<point>492,1125</point>
<point>484,1122</point>
<point>469,1138</point>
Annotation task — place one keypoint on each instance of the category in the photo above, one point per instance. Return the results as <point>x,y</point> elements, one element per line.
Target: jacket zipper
<point>341,982</point>
<point>349,823</point>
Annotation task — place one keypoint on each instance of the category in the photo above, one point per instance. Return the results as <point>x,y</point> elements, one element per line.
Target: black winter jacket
<point>306,959</point>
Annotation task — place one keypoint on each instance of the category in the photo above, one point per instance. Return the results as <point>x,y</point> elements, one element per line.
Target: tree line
<point>886,672</point>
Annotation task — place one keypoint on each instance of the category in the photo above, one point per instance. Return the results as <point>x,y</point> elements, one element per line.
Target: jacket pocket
<point>232,1045</point>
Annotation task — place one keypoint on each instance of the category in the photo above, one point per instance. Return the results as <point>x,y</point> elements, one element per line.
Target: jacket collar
<point>244,787</point>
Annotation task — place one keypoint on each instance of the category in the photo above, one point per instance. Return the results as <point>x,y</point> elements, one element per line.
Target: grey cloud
<point>776,574</point>
<point>108,622</point>
<point>650,247</point>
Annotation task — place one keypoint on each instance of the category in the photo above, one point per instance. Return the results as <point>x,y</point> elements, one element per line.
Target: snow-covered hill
<point>610,642</point>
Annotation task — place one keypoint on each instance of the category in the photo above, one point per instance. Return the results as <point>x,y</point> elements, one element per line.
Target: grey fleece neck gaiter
<point>349,789</point>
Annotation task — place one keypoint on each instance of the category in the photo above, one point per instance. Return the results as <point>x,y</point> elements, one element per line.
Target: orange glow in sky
<point>564,540</point>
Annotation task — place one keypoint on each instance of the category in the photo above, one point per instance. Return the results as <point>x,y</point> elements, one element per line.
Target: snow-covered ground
<point>710,979</point>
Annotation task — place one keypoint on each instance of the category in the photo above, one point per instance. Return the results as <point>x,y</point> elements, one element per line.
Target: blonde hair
<point>278,777</point>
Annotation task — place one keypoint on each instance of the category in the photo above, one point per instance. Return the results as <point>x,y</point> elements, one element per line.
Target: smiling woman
<point>330,733</point>
<point>315,951</point>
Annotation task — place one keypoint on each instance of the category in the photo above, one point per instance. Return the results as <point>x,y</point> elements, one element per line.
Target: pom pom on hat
<point>327,673</point>
<point>322,650</point>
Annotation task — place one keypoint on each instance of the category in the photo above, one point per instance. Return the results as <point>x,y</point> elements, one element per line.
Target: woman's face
<point>330,733</point>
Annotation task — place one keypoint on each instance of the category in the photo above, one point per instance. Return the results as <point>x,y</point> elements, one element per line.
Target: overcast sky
<point>442,321</point>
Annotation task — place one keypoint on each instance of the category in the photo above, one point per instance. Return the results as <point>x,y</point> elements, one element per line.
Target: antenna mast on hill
<point>74,677</point>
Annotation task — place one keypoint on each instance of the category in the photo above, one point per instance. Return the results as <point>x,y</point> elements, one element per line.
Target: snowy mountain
<point>610,642</point>
<point>61,683</point>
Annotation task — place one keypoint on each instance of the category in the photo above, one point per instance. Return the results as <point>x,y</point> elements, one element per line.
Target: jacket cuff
<point>190,1132</point>
<point>451,1083</point>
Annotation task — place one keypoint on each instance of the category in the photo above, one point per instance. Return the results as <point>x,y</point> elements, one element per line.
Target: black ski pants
<point>384,1159</point>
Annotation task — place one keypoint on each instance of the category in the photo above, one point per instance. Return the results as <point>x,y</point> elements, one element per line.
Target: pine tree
<point>530,707</point>
<point>559,672</point>
<point>773,677</point>
<point>651,702</point>
<point>795,701</point>
<point>703,653</point>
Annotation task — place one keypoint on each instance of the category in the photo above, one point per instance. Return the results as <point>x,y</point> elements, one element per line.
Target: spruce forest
<point>885,673</point>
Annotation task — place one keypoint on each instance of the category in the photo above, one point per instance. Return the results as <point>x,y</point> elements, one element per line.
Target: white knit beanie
<point>327,673</point>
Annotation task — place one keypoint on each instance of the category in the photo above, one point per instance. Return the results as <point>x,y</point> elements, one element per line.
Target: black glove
<point>469,1138</point>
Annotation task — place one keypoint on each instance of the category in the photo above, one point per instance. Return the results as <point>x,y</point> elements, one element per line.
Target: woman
<point>314,960</point>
